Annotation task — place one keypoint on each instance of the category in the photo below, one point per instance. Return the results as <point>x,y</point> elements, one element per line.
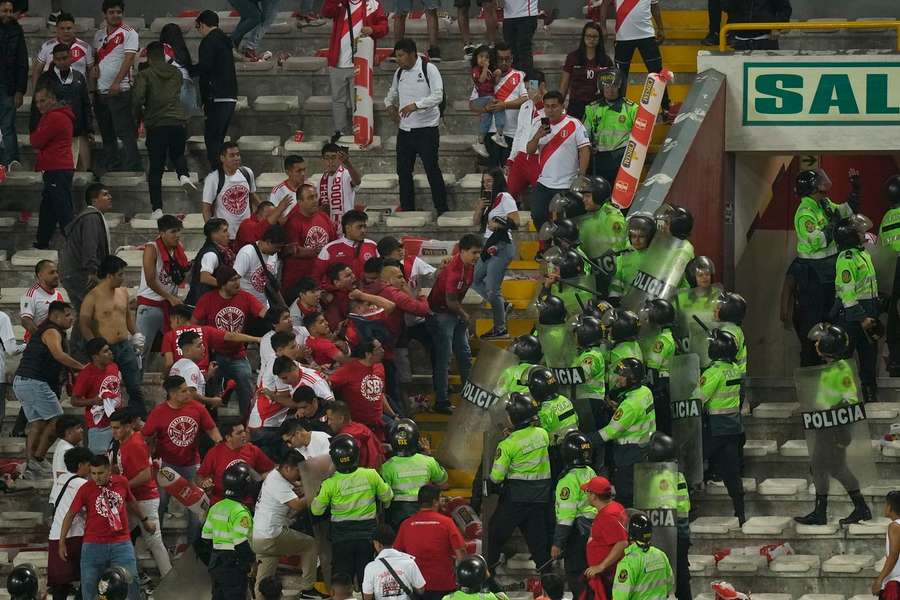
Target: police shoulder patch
<point>245,522</point>
<point>623,575</point>
<point>564,493</point>
<point>702,379</point>
<point>848,254</point>
<point>845,276</point>
<point>658,346</point>
<point>847,382</point>
<point>618,415</point>
<point>617,227</point>
<point>810,226</point>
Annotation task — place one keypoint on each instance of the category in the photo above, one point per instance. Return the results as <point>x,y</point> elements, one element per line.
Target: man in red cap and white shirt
<point>564,152</point>
<point>609,537</point>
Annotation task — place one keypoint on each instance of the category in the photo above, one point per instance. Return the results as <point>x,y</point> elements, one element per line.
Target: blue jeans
<point>96,558</point>
<point>499,117</point>
<point>99,439</point>
<point>251,18</point>
<point>188,472</point>
<point>269,10</point>
<point>489,277</point>
<point>448,333</point>
<point>130,370</point>
<point>237,369</point>
<point>9,149</point>
<point>149,321</point>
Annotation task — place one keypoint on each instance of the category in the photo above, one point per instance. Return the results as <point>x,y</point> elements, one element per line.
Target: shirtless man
<point>105,314</point>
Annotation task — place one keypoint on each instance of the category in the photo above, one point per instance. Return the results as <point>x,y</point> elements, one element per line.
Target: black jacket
<point>757,11</point>
<point>74,94</point>
<point>13,59</point>
<point>215,67</point>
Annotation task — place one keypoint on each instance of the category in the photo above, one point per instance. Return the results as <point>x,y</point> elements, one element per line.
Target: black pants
<point>424,142</point>
<point>519,33</point>
<point>649,50</point>
<point>724,455</point>
<point>714,8</point>
<point>166,141</point>
<point>228,583</point>
<point>814,300</point>
<point>576,108</point>
<point>218,118</point>
<point>866,354</point>
<point>682,569</point>
<point>56,205</point>
<point>625,456</point>
<point>662,405</point>
<point>351,558</point>
<point>893,326</point>
<point>764,44</point>
<point>828,458</point>
<point>116,121</point>
<point>497,155</point>
<point>530,519</point>
<point>606,164</point>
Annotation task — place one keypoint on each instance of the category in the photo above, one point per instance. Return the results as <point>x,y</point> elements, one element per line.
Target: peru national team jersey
<point>82,54</point>
<point>515,9</point>
<point>35,303</point>
<point>558,153</point>
<point>510,87</point>
<point>268,413</point>
<point>112,48</point>
<point>634,20</point>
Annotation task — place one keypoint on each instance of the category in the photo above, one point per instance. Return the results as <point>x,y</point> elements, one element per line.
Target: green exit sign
<point>821,93</point>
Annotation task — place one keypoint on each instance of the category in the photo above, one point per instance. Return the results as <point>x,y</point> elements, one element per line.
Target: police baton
<point>549,562</point>
<point>577,287</point>
<point>701,324</point>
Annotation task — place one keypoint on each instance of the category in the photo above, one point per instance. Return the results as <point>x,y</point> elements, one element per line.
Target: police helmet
<point>732,308</point>
<point>642,225</point>
<point>571,265</point>
<point>806,183</point>
<point>551,310</point>
<point>722,346</point>
<point>576,450</point>
<point>640,529</point>
<point>471,573</point>
<point>661,448</point>
<point>566,230</point>
<point>699,264</point>
<point>611,77</point>
<point>597,187</point>
<point>624,326</point>
<point>542,384</point>
<point>344,453</point>
<point>846,235</point>
<point>892,189</point>
<point>113,584</point>
<point>236,480</point>
<point>404,437</point>
<point>659,312</point>
<point>22,582</point>
<point>588,331</point>
<point>527,348</point>
<point>832,341</point>
<point>596,308</point>
<point>565,204</point>
<point>521,409</point>
<point>632,369</point>
<point>681,222</point>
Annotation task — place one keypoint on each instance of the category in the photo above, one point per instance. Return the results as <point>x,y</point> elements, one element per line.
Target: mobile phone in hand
<point>545,121</point>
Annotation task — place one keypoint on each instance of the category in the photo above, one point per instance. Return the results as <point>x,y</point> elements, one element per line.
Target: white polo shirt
<point>112,48</point>
<point>558,153</point>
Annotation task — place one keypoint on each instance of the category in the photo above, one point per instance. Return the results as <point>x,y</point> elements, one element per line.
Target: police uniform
<point>813,269</point>
<point>644,573</point>
<point>889,235</point>
<point>609,125</point>
<point>511,379</point>
<point>738,333</point>
<point>522,465</point>
<point>627,263</point>
<point>229,526</point>
<point>857,292</point>
<point>660,349</point>
<point>630,428</point>
<point>683,513</point>
<point>719,393</point>
<point>406,475</point>
<point>574,517</point>
<point>603,228</point>
<point>593,364</point>
<point>626,349</point>
<point>557,418</point>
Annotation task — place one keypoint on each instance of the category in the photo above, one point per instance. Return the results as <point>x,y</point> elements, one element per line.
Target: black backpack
<point>443,105</point>
<point>243,170</point>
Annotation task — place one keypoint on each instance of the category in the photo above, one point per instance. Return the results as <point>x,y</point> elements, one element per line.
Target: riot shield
<point>313,471</point>
<point>558,344</point>
<point>656,494</point>
<point>577,288</point>
<point>687,425</point>
<point>695,302</point>
<point>884,259</point>
<point>660,271</point>
<point>462,446</point>
<point>594,240</point>
<point>834,422</point>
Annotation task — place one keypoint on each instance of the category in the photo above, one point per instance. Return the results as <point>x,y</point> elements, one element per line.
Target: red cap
<point>599,485</point>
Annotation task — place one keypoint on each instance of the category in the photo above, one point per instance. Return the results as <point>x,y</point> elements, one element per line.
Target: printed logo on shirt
<point>77,53</point>
<point>110,389</point>
<point>183,431</point>
<point>114,501</point>
<point>316,238</point>
<point>230,318</point>
<point>372,388</point>
<point>234,199</point>
<point>258,279</point>
<point>195,378</point>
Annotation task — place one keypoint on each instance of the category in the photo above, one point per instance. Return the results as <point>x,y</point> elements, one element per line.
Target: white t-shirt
<point>514,9</point>
<point>412,87</point>
<point>271,515</point>
<point>112,48</point>
<point>35,303</point>
<point>277,195</point>
<point>637,24</point>
<point>59,467</point>
<point>191,373</point>
<point>209,263</point>
<point>527,125</point>
<point>82,54</point>
<point>267,353</point>
<point>502,205</point>
<point>162,276</point>
<point>345,55</point>
<point>508,88</point>
<point>894,575</point>
<point>233,202</point>
<point>8,345</point>
<point>337,195</point>
<point>77,527</point>
<point>319,445</point>
<point>253,273</point>
<point>558,153</point>
<point>377,580</point>
<point>308,377</point>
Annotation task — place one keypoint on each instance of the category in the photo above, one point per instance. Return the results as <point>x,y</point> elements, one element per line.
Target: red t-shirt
<point>250,230</point>
<point>338,309</point>
<point>608,529</point>
<point>455,278</point>
<point>177,431</point>
<point>211,338</point>
<point>432,538</point>
<point>324,351</point>
<point>313,232</point>
<point>484,88</point>
<point>132,458</point>
<point>93,382</point>
<point>370,451</point>
<point>362,388</point>
<point>229,314</point>
<point>220,457</point>
<point>107,513</point>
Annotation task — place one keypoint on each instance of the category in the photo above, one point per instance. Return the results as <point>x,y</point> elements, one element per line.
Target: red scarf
<point>108,501</point>
<point>227,253</point>
<point>180,257</point>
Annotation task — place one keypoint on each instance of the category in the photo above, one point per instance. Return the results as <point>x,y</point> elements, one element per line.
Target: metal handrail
<point>723,41</point>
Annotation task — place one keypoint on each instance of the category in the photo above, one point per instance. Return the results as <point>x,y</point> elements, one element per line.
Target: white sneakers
<point>156,214</point>
<point>186,183</point>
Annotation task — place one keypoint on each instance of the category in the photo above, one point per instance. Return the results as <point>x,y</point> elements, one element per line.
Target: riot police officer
<point>574,513</point>
<point>680,222</point>
<point>522,467</point>
<point>609,122</point>
<point>719,393</point>
<point>229,526</point>
<point>812,272</point>
<point>729,312</point>
<point>641,229</point>
<point>658,349</point>
<point>834,388</point>
<point>603,227</point>
<point>631,425</point>
<point>22,583</point>
<point>623,326</point>
<point>471,578</point>
<point>592,362</point>
<point>513,379</point>
<point>696,300</point>
<point>856,288</point>
<point>557,414</point>
<point>644,573</point>
<point>889,237</point>
<point>408,470</point>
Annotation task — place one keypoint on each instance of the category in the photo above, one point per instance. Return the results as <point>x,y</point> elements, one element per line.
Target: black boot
<point>738,502</point>
<point>861,510</point>
<point>870,393</point>
<point>819,514</point>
